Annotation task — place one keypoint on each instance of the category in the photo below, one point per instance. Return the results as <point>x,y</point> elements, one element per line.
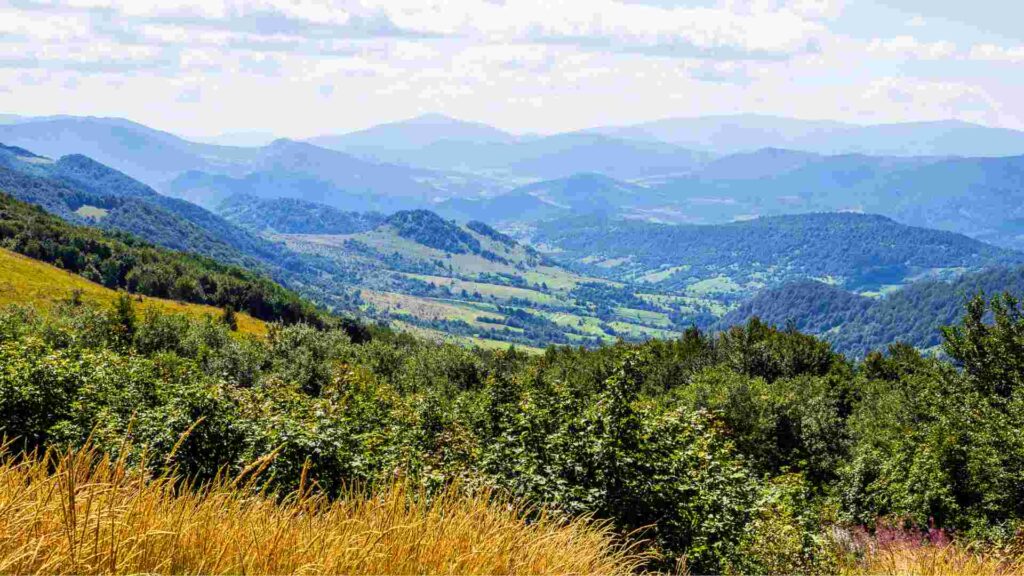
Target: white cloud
<point>607,23</point>
<point>536,65</point>
<point>931,99</point>
<point>910,47</point>
<point>43,27</point>
<point>993,53</point>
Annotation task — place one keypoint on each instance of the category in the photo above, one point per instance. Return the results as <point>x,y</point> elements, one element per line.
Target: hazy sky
<point>302,67</point>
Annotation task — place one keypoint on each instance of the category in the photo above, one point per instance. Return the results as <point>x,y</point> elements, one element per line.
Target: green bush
<point>729,453</point>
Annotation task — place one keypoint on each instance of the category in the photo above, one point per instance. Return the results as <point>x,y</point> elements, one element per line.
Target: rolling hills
<point>446,144</point>
<point>980,197</point>
<point>122,261</point>
<point>582,193</point>
<point>85,192</point>
<point>730,168</point>
<point>418,269</point>
<point>357,229</point>
<point>209,171</point>
<point>293,216</point>
<point>864,253</point>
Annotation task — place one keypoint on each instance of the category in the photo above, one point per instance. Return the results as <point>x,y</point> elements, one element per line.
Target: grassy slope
<point>24,280</point>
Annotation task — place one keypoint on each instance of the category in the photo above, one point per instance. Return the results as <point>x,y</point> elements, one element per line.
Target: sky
<point>298,68</point>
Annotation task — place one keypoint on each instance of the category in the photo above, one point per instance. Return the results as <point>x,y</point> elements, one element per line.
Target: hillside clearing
<point>27,281</point>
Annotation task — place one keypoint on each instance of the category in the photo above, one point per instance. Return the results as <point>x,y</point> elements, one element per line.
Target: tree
<point>229,318</point>
<point>992,355</point>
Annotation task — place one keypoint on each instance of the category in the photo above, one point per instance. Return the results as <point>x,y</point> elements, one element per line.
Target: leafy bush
<point>734,453</point>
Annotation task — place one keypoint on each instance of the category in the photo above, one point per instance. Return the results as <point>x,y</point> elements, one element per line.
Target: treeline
<point>294,216</point>
<point>752,451</point>
<point>121,261</point>
<point>856,325</point>
<point>858,250</point>
<point>429,229</point>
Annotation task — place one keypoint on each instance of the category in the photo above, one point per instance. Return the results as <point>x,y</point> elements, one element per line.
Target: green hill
<point>859,252</point>
<point>856,324</point>
<point>122,261</point>
<point>293,216</point>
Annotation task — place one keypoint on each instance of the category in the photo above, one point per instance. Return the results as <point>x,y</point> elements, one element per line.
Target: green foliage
<point>229,318</point>
<point>860,251</point>
<point>293,216</point>
<point>856,325</point>
<point>733,453</point>
<point>990,355</point>
<point>124,262</point>
<point>429,229</point>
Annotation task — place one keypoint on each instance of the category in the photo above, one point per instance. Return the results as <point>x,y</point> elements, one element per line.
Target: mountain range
<point>578,238</point>
<point>749,132</point>
<point>461,169</point>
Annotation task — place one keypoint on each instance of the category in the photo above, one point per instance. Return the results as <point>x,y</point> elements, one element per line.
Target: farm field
<point>483,288</point>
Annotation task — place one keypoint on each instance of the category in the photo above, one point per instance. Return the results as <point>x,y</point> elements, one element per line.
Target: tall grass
<point>80,512</point>
<point>892,551</point>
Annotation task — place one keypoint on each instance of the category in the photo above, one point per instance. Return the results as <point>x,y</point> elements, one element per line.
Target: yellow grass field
<point>81,513</point>
<point>27,281</point>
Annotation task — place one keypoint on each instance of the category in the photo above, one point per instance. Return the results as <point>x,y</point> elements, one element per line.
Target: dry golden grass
<point>81,513</point>
<point>929,560</point>
<point>27,281</point>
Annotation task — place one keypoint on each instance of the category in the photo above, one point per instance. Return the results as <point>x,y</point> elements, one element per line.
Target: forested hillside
<point>121,261</point>
<point>26,281</point>
<point>419,271</point>
<point>85,192</point>
<point>857,251</point>
<point>293,216</point>
<point>856,324</point>
<point>79,189</point>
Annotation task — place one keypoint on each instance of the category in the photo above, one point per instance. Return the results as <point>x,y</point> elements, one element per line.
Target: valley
<point>508,252</point>
<point>474,282</point>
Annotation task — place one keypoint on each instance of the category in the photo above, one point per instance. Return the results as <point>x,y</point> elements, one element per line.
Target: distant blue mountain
<point>441,143</point>
<point>745,133</point>
<point>586,193</point>
<point>159,159</point>
<point>413,134</point>
<point>725,134</point>
<point>980,197</point>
